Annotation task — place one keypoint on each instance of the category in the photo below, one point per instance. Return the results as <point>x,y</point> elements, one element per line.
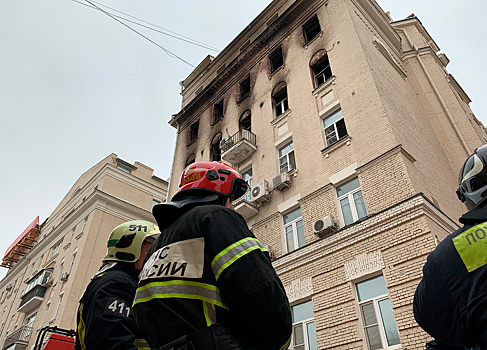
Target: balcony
<point>18,340</point>
<point>32,299</point>
<point>238,147</point>
<point>245,207</point>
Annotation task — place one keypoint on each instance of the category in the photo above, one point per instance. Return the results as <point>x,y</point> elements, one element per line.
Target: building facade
<point>351,132</point>
<point>51,264</point>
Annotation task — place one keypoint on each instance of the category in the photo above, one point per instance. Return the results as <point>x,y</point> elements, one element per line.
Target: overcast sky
<point>75,85</point>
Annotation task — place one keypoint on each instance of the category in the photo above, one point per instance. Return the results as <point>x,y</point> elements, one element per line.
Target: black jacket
<point>207,267</point>
<point>105,320</point>
<point>450,302</point>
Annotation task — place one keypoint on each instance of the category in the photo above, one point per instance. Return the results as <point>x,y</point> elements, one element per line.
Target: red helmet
<point>214,177</point>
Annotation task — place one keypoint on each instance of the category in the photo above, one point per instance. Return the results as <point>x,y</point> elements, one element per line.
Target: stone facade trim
<point>299,289</point>
<point>364,264</point>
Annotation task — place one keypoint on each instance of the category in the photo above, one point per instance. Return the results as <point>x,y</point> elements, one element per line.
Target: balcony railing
<point>32,299</point>
<point>21,336</point>
<point>238,147</point>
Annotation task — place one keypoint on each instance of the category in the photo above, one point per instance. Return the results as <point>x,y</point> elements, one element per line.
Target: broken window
<point>244,88</point>
<point>276,59</point>
<point>320,65</point>
<point>311,29</point>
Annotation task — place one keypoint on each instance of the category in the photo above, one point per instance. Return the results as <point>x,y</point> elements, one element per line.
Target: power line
<point>478,43</point>
<point>169,53</point>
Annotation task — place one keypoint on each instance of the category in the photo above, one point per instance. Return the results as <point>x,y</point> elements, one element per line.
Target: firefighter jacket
<point>450,302</point>
<point>207,267</point>
<point>105,320</point>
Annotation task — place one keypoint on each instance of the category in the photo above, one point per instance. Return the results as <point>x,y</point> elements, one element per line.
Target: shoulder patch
<point>180,259</point>
<point>471,245</point>
<point>116,307</point>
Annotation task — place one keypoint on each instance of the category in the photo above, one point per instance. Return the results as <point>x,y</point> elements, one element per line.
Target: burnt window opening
<point>280,101</point>
<point>245,122</point>
<point>216,153</point>
<point>190,159</point>
<point>311,29</point>
<point>244,88</point>
<point>321,70</point>
<point>276,59</point>
<point>218,111</point>
<point>193,132</point>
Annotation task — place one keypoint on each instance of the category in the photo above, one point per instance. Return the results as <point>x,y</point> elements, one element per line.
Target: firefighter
<point>105,319</point>
<point>207,282</point>
<point>450,302</point>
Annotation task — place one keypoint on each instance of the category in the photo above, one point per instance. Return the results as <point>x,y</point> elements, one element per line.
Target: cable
<point>169,53</point>
<point>176,36</point>
<point>469,49</point>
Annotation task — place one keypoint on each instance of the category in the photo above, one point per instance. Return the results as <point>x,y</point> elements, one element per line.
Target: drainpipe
<point>437,93</point>
<point>173,159</point>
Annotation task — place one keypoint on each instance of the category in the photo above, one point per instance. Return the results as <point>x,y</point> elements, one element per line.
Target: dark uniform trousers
<point>208,279</point>
<point>450,302</point>
<point>105,320</point>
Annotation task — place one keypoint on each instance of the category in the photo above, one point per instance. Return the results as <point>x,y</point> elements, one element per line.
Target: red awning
<point>21,244</point>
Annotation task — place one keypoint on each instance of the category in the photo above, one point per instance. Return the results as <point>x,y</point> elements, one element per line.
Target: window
<point>190,160</point>
<point>320,66</point>
<point>279,100</point>
<point>39,279</point>
<point>244,88</point>
<point>293,227</point>
<point>245,121</point>
<point>218,111</point>
<point>311,29</point>
<point>276,60</point>
<point>60,270</point>
<point>55,311</point>
<point>73,258</point>
<point>376,312</point>
<point>55,249</point>
<point>287,161</point>
<point>335,128</point>
<point>247,176</point>
<point>304,333</point>
<point>71,234</point>
<point>193,132</point>
<point>26,332</point>
<point>352,203</point>
<point>123,168</point>
<point>216,153</point>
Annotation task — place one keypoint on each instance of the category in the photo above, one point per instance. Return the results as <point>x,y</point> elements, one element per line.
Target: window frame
<point>294,225</point>
<point>350,196</point>
<point>322,72</point>
<point>244,88</point>
<point>335,128</point>
<point>288,159</point>
<point>374,301</point>
<point>218,111</point>
<point>193,132</point>
<point>308,27</point>
<point>215,145</point>
<point>281,105</point>
<point>276,57</point>
<point>304,323</point>
<point>248,195</point>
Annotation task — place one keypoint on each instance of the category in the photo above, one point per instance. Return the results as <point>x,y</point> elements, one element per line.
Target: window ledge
<point>217,121</point>
<point>191,142</point>
<point>79,235</point>
<point>319,35</point>
<point>281,117</point>
<point>344,141</point>
<point>67,246</point>
<point>327,83</point>
<point>240,100</point>
<point>277,70</point>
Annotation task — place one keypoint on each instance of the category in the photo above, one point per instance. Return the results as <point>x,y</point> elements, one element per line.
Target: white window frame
<point>304,323</point>
<point>380,323</point>
<point>282,106</point>
<point>294,225</point>
<point>55,249</point>
<point>289,166</point>
<point>334,126</point>
<point>248,195</point>
<point>351,201</point>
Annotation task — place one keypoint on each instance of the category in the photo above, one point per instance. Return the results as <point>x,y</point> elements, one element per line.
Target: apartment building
<point>351,132</point>
<point>50,264</point>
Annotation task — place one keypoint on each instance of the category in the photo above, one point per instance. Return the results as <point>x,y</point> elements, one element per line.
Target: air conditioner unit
<point>325,225</point>
<point>282,181</point>
<point>260,192</point>
<point>64,276</point>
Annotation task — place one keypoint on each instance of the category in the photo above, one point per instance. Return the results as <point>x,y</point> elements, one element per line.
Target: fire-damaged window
<point>320,66</point>
<point>245,122</point>
<point>218,111</point>
<point>279,99</point>
<point>276,60</point>
<point>193,132</point>
<point>244,88</point>
<point>311,29</point>
<point>216,153</point>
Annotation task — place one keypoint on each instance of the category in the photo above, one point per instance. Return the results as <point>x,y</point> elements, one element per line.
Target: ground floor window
<point>304,333</point>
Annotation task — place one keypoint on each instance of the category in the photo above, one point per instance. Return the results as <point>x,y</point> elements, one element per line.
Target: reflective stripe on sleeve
<point>233,252</point>
<point>81,328</point>
<point>141,344</point>
<point>210,313</point>
<point>285,346</point>
<point>179,289</point>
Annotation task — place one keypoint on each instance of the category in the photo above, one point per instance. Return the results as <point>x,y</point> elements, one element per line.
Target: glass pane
<point>388,321</point>
<point>289,238</point>
<point>341,129</point>
<point>360,204</point>
<point>330,135</point>
<point>286,149</point>
<point>300,229</point>
<point>247,174</point>
<point>302,311</point>
<point>371,288</point>
<point>292,160</point>
<point>298,335</point>
<point>292,215</point>
<point>346,211</point>
<point>348,187</point>
<point>283,164</point>
<point>331,119</point>
<point>312,345</point>
<point>373,337</point>
<point>369,314</point>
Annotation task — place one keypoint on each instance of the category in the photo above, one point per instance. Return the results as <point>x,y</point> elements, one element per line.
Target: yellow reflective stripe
<point>210,313</point>
<point>285,346</point>
<point>81,328</point>
<point>141,344</point>
<point>179,289</point>
<point>233,252</point>
<point>471,245</point>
